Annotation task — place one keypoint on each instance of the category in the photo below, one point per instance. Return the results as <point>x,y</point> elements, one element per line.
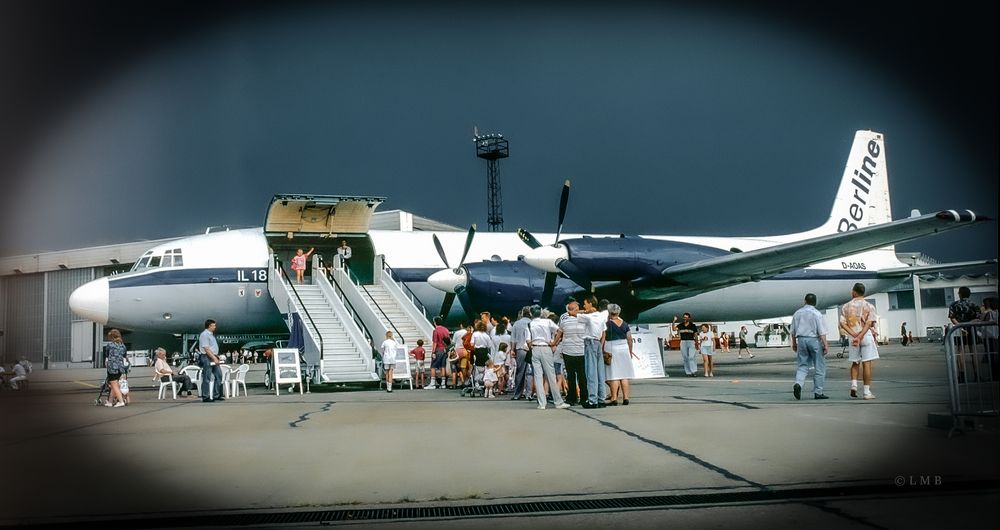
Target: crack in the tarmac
<point>720,402</point>
<point>305,417</point>
<point>677,452</point>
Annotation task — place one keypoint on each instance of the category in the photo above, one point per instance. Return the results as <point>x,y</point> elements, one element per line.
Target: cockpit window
<point>170,258</point>
<point>143,261</point>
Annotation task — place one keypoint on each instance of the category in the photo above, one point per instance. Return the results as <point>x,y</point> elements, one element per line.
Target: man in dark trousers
<point>688,331</point>
<point>209,361</point>
<point>520,337</point>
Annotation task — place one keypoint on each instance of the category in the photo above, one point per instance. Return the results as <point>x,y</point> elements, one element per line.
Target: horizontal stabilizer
<point>755,265</point>
<point>904,272</point>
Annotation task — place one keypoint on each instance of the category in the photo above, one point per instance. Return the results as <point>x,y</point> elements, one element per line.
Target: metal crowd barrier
<point>971,355</point>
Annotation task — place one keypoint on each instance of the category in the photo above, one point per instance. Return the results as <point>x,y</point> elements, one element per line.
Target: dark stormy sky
<point>139,120</point>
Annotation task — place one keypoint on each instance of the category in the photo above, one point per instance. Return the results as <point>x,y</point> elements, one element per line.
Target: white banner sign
<point>650,363</point>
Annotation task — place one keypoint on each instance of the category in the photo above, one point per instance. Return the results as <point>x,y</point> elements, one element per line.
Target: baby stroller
<point>475,386</point>
<point>843,348</point>
<point>106,386</point>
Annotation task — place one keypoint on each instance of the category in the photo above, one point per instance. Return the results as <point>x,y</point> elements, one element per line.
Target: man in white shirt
<point>543,332</point>
<point>344,252</point>
<point>572,329</point>
<point>521,339</point>
<point>20,374</point>
<point>595,317</point>
<point>808,332</point>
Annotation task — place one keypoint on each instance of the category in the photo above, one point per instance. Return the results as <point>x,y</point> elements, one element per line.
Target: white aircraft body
<point>174,287</point>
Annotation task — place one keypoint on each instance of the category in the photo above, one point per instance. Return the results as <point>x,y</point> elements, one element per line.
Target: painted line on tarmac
<point>677,452</point>
<point>305,417</point>
<point>89,425</point>
<point>89,385</point>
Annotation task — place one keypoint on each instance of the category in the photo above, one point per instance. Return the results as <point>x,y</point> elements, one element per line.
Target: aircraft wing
<point>904,272</point>
<point>755,265</point>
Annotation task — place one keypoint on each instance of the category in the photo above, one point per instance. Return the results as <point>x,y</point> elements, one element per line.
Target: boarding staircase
<point>337,344</point>
<point>386,305</point>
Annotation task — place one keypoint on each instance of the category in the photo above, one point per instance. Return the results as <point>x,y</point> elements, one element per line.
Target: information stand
<point>649,364</point>
<point>286,368</point>
<point>402,368</point>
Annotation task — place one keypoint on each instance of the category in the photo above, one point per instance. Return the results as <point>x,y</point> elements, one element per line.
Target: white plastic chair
<point>227,371</point>
<point>194,372</point>
<point>164,384</point>
<point>240,378</point>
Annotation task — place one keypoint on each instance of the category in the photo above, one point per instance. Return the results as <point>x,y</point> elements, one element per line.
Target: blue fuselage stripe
<point>185,276</point>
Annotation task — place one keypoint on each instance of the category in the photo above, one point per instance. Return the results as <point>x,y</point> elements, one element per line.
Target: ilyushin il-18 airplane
<point>175,286</point>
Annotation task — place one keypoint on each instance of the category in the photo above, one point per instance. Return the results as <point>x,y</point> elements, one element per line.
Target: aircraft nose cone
<point>448,280</point>
<point>91,300</point>
<point>546,257</point>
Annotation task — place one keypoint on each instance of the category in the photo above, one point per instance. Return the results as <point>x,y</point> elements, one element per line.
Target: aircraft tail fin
<point>863,196</point>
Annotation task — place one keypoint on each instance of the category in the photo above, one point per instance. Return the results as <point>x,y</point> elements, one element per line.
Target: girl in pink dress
<point>299,263</point>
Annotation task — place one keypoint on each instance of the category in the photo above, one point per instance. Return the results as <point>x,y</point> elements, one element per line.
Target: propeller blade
<point>563,201</point>
<point>466,300</point>
<point>468,244</point>
<point>550,286</point>
<point>575,274</point>
<point>440,249</point>
<point>449,298</point>
<point>527,238</point>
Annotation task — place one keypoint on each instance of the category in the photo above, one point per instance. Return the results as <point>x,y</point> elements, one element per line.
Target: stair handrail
<point>357,281</point>
<point>302,305</point>
<point>339,291</point>
<point>406,289</point>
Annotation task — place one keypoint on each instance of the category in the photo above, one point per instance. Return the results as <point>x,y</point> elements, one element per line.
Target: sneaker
<point>820,396</point>
<point>589,405</point>
<point>854,392</point>
<point>601,405</point>
<point>563,405</point>
<point>121,404</point>
<point>797,391</point>
<point>869,396</point>
<point>751,356</point>
<point>108,404</point>
<point>389,390</point>
<point>740,356</point>
<point>541,407</point>
<point>430,387</point>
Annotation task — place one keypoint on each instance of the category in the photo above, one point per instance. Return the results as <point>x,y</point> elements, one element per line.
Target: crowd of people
<point>581,357</point>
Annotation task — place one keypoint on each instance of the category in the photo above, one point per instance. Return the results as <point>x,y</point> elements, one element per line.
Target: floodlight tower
<point>492,147</point>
